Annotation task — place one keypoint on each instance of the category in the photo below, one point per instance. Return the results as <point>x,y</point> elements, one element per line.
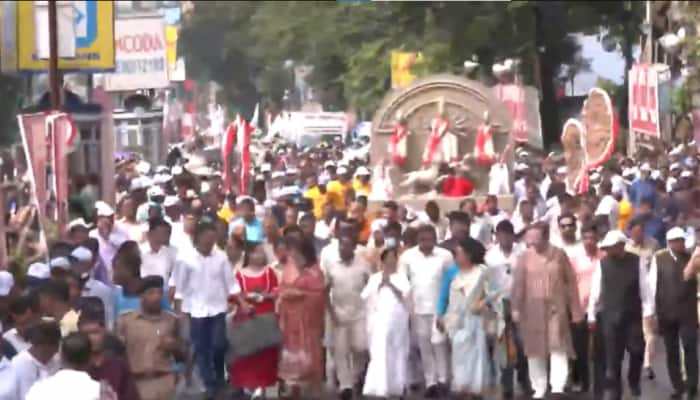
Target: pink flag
<point>244,130</point>
<point>227,142</point>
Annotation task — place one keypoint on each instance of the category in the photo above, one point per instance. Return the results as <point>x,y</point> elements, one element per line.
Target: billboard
<point>141,56</point>
<point>643,100</point>
<point>94,38</point>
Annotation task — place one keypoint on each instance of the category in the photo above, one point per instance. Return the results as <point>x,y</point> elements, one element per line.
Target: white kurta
<point>389,337</point>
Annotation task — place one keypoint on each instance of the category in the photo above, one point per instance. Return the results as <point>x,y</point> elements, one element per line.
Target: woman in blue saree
<point>472,371</point>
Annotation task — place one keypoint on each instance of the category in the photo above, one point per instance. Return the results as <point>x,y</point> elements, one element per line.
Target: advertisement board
<point>643,100</point>
<point>94,38</point>
<point>141,55</point>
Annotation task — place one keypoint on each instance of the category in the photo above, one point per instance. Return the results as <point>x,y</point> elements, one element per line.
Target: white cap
<point>103,209</point>
<point>136,184</point>
<point>675,233</point>
<point>39,270</point>
<point>521,167</point>
<point>362,171</point>
<point>686,174</point>
<point>613,238</point>
<point>289,191</point>
<point>155,191</point>
<point>204,187</point>
<point>260,178</point>
<point>162,178</point>
<point>82,254</point>
<point>59,262</point>
<point>675,166</point>
<point>266,167</point>
<point>143,167</point>
<point>240,199</point>
<point>176,170</point>
<point>655,174</point>
<point>292,171</point>
<point>277,175</point>
<point>79,222</point>
<point>170,201</point>
<point>190,194</point>
<point>645,167</point>
<point>562,170</point>
<point>269,203</point>
<point>162,169</point>
<point>342,170</point>
<point>7,282</point>
<point>329,164</point>
<point>595,177</point>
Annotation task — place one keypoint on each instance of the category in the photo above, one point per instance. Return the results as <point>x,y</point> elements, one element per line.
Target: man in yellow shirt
<point>337,189</point>
<point>318,195</point>
<point>361,184</point>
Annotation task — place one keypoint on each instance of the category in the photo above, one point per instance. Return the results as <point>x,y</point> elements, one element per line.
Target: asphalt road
<point>657,389</point>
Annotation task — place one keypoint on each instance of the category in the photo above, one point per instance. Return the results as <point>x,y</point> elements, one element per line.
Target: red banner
<point>643,100</point>
<point>513,97</point>
<point>33,131</point>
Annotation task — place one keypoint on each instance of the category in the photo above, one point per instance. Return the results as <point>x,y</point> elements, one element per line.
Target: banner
<point>141,57</point>
<point>33,131</point>
<point>60,129</point>
<point>94,37</point>
<point>523,104</point>
<point>643,100</point>
<point>401,64</point>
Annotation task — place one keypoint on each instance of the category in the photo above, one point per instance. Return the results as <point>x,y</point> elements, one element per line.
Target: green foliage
<point>681,101</point>
<point>243,44</point>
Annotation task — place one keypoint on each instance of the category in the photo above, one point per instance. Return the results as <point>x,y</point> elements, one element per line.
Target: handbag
<point>257,333</point>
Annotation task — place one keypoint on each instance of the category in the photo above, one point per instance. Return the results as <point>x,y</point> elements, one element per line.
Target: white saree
<point>389,341</point>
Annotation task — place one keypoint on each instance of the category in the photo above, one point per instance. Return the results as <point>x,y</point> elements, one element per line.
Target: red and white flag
<point>228,141</point>
<point>244,129</point>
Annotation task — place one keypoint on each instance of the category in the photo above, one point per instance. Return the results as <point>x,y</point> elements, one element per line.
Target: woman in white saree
<point>472,371</point>
<point>386,295</point>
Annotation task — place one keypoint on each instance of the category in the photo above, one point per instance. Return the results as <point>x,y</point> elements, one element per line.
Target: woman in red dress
<point>259,283</point>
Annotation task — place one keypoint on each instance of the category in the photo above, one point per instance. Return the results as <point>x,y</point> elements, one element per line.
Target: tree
<point>242,44</point>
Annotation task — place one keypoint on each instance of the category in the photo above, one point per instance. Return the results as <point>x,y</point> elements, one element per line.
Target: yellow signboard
<point>401,63</point>
<point>171,45</point>
<point>94,27</point>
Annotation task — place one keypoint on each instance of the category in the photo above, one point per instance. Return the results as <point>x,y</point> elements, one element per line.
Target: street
<point>659,388</point>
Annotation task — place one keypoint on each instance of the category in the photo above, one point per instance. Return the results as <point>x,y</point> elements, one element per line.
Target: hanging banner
<point>523,103</point>
<point>60,128</point>
<point>141,57</point>
<point>643,100</point>
<point>33,131</point>
<point>93,31</point>
<point>171,34</point>
<point>401,64</point>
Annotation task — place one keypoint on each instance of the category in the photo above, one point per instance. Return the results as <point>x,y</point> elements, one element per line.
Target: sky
<point>603,64</point>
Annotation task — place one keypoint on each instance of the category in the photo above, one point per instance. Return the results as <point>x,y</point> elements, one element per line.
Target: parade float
<point>436,121</point>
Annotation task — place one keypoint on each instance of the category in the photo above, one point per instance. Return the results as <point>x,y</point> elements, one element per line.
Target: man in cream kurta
<point>424,266</point>
<point>346,274</point>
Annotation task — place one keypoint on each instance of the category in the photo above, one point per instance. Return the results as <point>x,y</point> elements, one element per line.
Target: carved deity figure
<point>398,141</point>
<point>442,144</point>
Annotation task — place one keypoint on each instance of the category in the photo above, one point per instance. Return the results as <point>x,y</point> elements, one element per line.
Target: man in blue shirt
<point>643,188</point>
<point>654,226</point>
<point>254,231</point>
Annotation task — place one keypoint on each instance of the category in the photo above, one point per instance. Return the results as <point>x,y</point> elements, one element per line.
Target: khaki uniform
<point>151,366</point>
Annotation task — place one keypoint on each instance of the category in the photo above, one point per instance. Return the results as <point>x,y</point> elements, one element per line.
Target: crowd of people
<point>371,298</point>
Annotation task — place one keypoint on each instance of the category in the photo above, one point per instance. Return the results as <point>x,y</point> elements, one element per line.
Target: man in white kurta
<point>346,274</point>
<point>424,266</point>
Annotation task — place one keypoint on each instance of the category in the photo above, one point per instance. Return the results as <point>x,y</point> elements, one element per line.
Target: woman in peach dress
<point>301,316</point>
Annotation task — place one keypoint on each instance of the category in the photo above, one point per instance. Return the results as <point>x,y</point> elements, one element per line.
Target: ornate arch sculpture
<point>465,103</point>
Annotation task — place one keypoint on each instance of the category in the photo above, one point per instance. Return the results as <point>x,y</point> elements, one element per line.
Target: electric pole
<point>54,73</point>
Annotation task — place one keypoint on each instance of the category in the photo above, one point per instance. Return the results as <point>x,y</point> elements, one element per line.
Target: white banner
<point>141,57</point>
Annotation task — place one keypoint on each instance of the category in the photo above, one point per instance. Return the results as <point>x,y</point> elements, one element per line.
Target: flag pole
<point>54,73</point>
